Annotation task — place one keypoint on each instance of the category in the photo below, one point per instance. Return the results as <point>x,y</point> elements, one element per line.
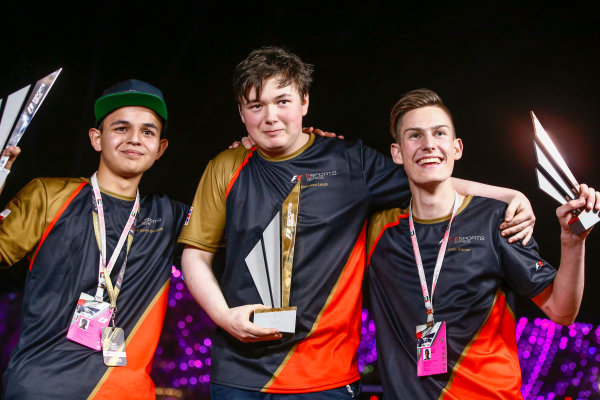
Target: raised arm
<point>561,300</point>
<point>202,284</point>
<point>519,218</point>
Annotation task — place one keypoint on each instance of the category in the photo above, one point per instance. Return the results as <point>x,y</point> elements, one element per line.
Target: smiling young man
<point>336,184</point>
<point>64,225</point>
<point>444,273</point>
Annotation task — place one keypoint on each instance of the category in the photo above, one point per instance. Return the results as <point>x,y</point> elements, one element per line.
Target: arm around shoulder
<point>519,218</point>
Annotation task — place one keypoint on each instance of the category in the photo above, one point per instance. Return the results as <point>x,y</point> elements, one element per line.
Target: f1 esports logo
<point>313,176</point>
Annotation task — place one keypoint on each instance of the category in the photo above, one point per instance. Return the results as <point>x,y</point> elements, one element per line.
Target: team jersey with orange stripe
<point>480,272</point>
<point>240,193</point>
<point>57,213</point>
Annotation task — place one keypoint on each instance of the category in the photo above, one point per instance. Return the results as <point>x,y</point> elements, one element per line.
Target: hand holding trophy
<point>271,263</point>
<point>13,105</point>
<point>556,179</point>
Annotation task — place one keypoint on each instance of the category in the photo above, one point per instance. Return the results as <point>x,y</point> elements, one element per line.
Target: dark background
<point>492,62</point>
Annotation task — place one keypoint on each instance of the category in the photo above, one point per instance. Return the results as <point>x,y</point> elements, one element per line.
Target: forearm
<point>12,152</point>
<point>563,303</point>
<point>202,284</point>
<point>465,187</point>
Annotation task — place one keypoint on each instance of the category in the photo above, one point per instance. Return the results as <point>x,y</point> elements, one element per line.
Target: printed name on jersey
<point>313,176</point>
<point>4,214</point>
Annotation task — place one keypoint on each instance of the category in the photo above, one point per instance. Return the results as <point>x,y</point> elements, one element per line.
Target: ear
<point>396,153</point>
<point>95,139</point>
<point>162,146</point>
<point>241,114</point>
<point>305,104</point>
<point>458,149</point>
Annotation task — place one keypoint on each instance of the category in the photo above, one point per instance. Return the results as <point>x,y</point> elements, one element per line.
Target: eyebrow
<point>423,129</point>
<point>150,125</point>
<point>281,96</point>
<point>125,122</point>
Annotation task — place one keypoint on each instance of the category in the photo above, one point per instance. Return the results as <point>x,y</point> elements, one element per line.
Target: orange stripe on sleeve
<point>56,217</point>
<point>237,172</point>
<point>386,226</point>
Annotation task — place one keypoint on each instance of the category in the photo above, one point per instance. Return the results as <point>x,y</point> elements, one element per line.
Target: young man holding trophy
<point>87,332</point>
<point>291,212</point>
<point>440,270</point>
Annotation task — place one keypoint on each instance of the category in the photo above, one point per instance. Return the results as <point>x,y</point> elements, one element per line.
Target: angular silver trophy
<point>15,103</point>
<point>556,179</point>
<point>270,264</point>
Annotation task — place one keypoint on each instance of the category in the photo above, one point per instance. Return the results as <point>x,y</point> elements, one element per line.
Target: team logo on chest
<point>315,176</point>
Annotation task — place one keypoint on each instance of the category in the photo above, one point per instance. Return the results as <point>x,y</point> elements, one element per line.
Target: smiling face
<point>427,146</point>
<point>128,141</point>
<point>274,121</point>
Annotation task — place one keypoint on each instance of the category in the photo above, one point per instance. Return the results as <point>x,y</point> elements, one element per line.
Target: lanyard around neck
<point>100,231</point>
<point>440,259</point>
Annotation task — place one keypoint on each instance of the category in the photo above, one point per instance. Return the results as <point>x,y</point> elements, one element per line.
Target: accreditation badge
<point>432,354</point>
<point>89,318</point>
<point>113,347</point>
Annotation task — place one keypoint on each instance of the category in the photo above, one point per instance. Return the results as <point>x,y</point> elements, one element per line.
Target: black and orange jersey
<point>51,221</point>
<point>240,193</point>
<point>480,273</point>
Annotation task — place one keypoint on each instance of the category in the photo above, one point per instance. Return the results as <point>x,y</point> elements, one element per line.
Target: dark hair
<point>268,62</point>
<point>410,101</point>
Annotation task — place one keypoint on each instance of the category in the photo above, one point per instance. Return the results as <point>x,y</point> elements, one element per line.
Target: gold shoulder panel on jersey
<point>206,226</point>
<point>31,210</point>
<point>377,223</point>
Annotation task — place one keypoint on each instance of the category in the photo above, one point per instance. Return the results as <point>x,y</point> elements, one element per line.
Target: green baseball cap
<point>131,92</point>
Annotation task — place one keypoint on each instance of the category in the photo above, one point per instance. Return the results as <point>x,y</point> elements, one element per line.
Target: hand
<point>319,132</point>
<point>246,141</point>
<point>588,198</point>
<point>519,220</point>
<point>590,195</point>
<point>239,326</point>
<point>12,152</point>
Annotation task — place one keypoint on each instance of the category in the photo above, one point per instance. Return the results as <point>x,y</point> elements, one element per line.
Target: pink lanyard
<point>105,269</point>
<point>438,263</point>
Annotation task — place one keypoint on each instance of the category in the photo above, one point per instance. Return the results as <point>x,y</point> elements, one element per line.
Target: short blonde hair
<point>410,101</point>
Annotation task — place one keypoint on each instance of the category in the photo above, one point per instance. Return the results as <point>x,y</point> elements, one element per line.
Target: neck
<point>432,201</point>
<point>124,186</point>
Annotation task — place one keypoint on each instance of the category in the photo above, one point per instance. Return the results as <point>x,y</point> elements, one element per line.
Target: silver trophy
<point>264,265</point>
<point>271,264</point>
<point>556,179</point>
<point>15,103</point>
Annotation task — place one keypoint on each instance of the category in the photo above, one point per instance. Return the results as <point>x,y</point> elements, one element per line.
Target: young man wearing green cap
<point>74,230</point>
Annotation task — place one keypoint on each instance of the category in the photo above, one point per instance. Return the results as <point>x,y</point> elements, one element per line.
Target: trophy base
<point>283,319</point>
<point>584,221</point>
